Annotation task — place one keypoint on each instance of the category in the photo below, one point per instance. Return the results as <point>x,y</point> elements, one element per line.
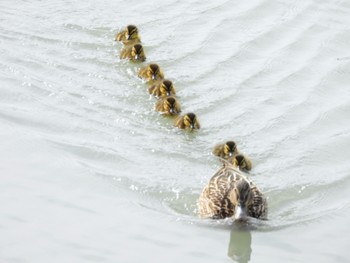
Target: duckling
<point>168,106</point>
<point>129,36</point>
<point>134,53</point>
<point>162,89</point>
<point>230,194</point>
<point>226,149</point>
<point>187,121</point>
<point>241,161</point>
<point>151,73</point>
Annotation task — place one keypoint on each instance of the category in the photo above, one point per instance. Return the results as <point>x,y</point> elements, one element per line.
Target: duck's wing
<point>258,208</point>
<point>120,36</point>
<point>215,198</point>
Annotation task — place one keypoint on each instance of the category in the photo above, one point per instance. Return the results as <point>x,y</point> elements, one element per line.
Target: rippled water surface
<point>91,173</point>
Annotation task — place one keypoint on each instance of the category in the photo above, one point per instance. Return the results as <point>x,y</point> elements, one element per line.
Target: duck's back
<point>214,201</point>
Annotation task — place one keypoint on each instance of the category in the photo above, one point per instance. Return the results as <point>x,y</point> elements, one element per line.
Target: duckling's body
<point>226,150</point>
<point>129,36</point>
<point>162,89</point>
<point>151,73</point>
<point>168,106</point>
<point>241,161</point>
<point>134,53</point>
<point>187,121</point>
<point>229,193</point>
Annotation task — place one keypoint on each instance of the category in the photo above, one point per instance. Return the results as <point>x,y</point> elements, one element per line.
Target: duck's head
<point>170,105</point>
<point>167,88</point>
<point>131,32</point>
<point>137,52</point>
<point>239,161</point>
<point>230,148</point>
<point>242,198</point>
<point>190,121</point>
<point>154,72</point>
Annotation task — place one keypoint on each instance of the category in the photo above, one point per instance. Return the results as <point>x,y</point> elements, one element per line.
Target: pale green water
<point>90,173</point>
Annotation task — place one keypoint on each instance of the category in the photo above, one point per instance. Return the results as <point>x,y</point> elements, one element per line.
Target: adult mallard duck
<point>129,36</point>
<point>134,53</point>
<point>241,161</point>
<point>226,150</point>
<point>168,106</point>
<point>187,121</point>
<point>230,194</point>
<point>162,89</point>
<point>151,73</point>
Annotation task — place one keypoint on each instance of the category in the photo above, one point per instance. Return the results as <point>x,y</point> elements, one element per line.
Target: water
<point>90,173</point>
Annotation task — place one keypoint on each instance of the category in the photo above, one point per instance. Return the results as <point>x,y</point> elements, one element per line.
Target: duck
<point>162,89</point>
<point>129,36</point>
<point>241,161</point>
<point>152,73</point>
<point>134,53</point>
<point>226,150</point>
<point>168,106</point>
<point>230,194</point>
<point>187,121</point>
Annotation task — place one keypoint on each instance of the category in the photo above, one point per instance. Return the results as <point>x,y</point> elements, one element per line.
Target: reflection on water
<point>239,248</point>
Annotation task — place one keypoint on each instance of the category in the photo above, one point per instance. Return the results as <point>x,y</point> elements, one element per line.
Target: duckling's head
<point>239,161</point>
<point>131,32</point>
<point>230,148</point>
<point>190,120</point>
<point>242,198</point>
<point>137,52</point>
<point>154,71</point>
<point>166,88</point>
<point>170,105</point>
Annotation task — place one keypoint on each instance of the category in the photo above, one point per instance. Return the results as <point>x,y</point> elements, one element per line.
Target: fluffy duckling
<point>162,89</point>
<point>134,53</point>
<point>187,121</point>
<point>241,161</point>
<point>226,149</point>
<point>168,106</point>
<point>151,73</point>
<point>129,35</point>
<point>230,194</point>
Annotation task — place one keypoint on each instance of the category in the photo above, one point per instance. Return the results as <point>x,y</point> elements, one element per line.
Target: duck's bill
<point>137,57</point>
<point>153,76</point>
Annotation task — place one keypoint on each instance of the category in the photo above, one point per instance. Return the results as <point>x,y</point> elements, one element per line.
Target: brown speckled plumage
<point>218,199</point>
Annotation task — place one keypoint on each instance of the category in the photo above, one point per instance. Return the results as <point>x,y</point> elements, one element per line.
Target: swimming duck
<point>241,161</point>
<point>187,121</point>
<point>162,89</point>
<point>168,106</point>
<point>129,36</point>
<point>151,73</point>
<point>134,53</point>
<point>230,194</point>
<point>226,149</point>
